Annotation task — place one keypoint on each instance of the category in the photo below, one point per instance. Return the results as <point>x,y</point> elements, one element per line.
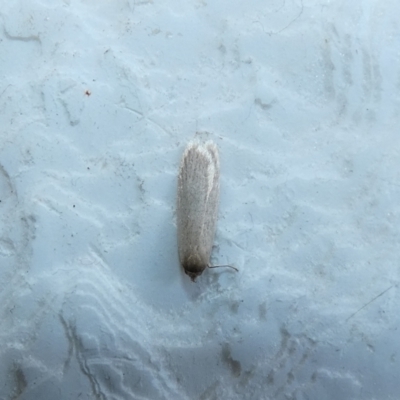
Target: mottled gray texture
<point>197,206</point>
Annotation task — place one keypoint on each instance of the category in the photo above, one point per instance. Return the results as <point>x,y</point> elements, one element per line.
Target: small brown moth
<point>197,206</point>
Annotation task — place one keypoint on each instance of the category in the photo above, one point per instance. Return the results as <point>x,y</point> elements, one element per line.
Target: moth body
<point>197,206</point>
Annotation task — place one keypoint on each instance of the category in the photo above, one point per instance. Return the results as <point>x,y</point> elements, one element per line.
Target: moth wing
<point>198,197</point>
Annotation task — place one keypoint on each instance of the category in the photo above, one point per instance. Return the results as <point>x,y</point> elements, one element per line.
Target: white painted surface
<point>302,98</point>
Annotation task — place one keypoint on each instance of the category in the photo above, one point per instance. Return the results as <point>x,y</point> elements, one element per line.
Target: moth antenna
<point>220,266</point>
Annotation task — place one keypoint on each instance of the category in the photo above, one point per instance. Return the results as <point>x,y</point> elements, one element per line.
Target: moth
<point>197,206</point>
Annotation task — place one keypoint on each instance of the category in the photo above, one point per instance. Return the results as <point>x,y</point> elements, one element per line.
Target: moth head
<point>194,266</point>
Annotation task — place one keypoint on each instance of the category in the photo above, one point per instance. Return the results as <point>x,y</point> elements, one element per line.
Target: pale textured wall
<point>302,99</point>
